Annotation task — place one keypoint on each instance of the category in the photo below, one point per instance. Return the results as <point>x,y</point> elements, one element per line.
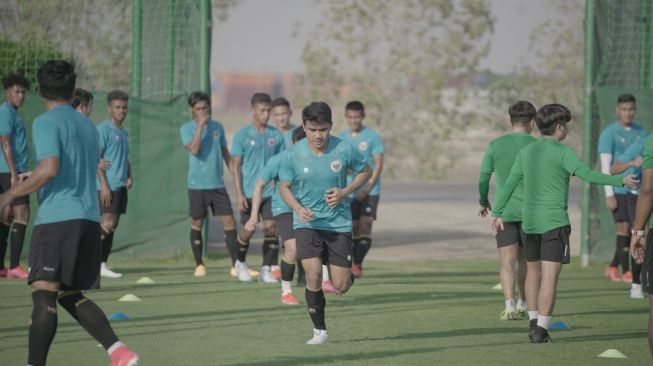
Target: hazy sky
<point>258,34</point>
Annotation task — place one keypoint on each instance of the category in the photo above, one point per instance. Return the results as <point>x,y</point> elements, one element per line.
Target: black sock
<point>316,303</point>
<point>301,275</point>
<point>615,258</point>
<point>232,245</point>
<point>107,244</point>
<point>196,245</point>
<point>17,240</point>
<point>43,326</point>
<point>90,317</point>
<point>243,246</point>
<point>637,272</point>
<point>4,234</point>
<point>623,247</point>
<point>356,250</point>
<point>270,250</point>
<point>365,245</point>
<point>287,271</point>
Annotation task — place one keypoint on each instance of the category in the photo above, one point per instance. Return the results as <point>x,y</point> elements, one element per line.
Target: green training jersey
<point>648,164</point>
<point>499,157</point>
<point>545,167</point>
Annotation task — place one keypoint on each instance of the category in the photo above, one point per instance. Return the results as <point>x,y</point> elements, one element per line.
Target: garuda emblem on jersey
<point>336,166</point>
<point>362,146</point>
<point>271,141</point>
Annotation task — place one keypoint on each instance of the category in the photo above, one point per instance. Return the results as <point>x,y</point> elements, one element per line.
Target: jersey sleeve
<point>487,168</point>
<point>186,135</point>
<point>606,143</point>
<point>223,138</point>
<point>46,140</point>
<point>270,170</point>
<point>287,171</point>
<point>379,146</point>
<point>281,143</point>
<point>574,166</point>
<point>237,148</point>
<point>102,138</point>
<point>634,150</point>
<point>5,121</point>
<point>357,161</point>
<point>515,177</point>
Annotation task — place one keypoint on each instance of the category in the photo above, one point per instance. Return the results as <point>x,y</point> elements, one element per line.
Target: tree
<point>397,57</point>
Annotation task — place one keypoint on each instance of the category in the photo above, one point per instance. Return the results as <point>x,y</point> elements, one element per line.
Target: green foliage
<point>24,58</point>
<point>397,57</point>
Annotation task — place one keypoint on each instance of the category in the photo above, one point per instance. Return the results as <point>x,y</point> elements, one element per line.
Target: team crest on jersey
<point>271,141</point>
<point>306,170</point>
<point>336,166</point>
<point>362,146</point>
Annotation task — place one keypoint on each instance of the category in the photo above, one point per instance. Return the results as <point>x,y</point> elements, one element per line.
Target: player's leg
<point>522,305</point>
<point>532,253</point>
<point>220,205</point>
<point>508,247</point>
<point>197,212</point>
<point>109,224</point>
<point>635,268</point>
<point>43,323</point>
<point>339,254</point>
<point>310,250</point>
<point>356,208</point>
<point>647,284</point>
<point>5,221</point>
<point>367,217</point>
<point>20,211</point>
<point>270,245</point>
<point>242,239</point>
<point>623,249</point>
<point>285,230</point>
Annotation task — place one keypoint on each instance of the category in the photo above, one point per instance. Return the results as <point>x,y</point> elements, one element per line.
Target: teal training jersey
<point>269,174</point>
<point>64,133</point>
<point>254,150</point>
<point>287,136</point>
<point>114,147</point>
<point>12,125</point>
<point>311,176</point>
<point>369,143</point>
<point>635,150</point>
<point>205,170</point>
<point>615,140</point>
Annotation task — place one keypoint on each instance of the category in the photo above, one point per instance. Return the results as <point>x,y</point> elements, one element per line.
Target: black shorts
<point>5,185</point>
<point>118,203</point>
<point>552,246</point>
<point>283,224</point>
<point>626,204</point>
<point>264,211</point>
<point>333,247</point>
<point>511,234</point>
<point>200,199</point>
<point>68,252</point>
<point>366,207</point>
<point>647,266</point>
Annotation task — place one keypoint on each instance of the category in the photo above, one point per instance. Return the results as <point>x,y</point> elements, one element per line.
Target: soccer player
<point>281,113</point>
<point>314,184</point>
<point>282,218</point>
<point>205,140</point>
<point>65,252</point>
<point>545,167</point>
<point>82,101</point>
<point>14,162</point>
<point>499,158</point>
<point>366,200</point>
<point>613,141</point>
<point>641,243</point>
<point>114,148</point>
<point>252,147</point>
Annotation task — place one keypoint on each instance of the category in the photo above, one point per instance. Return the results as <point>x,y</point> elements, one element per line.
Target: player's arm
<point>130,181</point>
<point>376,174</point>
<point>305,215</point>
<point>642,215</point>
<point>619,167</point>
<point>47,169</point>
<point>236,164</point>
<point>487,168</point>
<point>8,153</point>
<point>105,191</point>
<point>196,143</point>
<point>503,196</point>
<point>335,195</point>
<point>588,175</point>
<point>257,197</point>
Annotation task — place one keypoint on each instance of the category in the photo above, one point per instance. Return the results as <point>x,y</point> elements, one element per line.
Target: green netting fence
<point>618,59</point>
<point>158,50</point>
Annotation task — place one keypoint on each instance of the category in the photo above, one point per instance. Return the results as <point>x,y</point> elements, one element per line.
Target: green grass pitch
<point>424,313</point>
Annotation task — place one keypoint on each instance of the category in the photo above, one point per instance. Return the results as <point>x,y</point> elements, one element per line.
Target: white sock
<point>543,321</point>
<point>286,287</point>
<point>522,303</point>
<point>532,315</point>
<point>510,304</point>
<point>635,285</point>
<point>103,265</point>
<point>325,273</point>
<point>114,347</point>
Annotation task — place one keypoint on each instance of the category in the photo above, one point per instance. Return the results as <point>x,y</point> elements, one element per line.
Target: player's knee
<point>69,299</point>
<point>228,222</point>
<point>43,285</point>
<point>343,286</point>
<point>290,254</point>
<point>21,214</point>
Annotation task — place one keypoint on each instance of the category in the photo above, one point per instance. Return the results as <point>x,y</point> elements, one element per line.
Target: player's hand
<point>484,211</point>
<point>497,224</point>
<point>14,180</point>
<point>250,225</point>
<point>631,181</point>
<point>362,194</point>
<point>5,200</point>
<point>129,183</point>
<point>637,162</point>
<point>611,203</point>
<point>24,176</point>
<point>202,118</point>
<point>242,203</point>
<point>305,215</point>
<point>105,196</point>
<point>638,248</point>
<point>104,164</point>
<point>334,196</point>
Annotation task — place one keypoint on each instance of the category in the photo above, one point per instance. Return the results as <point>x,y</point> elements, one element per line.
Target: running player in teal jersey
<point>314,184</point>
<point>205,141</point>
<point>545,167</point>
<point>365,201</point>
<point>65,252</point>
<point>252,147</point>
<point>615,139</point>
<point>14,149</point>
<point>498,159</point>
<point>114,148</point>
<point>283,219</point>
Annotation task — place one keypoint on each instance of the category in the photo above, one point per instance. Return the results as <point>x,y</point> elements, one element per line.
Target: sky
<point>257,36</point>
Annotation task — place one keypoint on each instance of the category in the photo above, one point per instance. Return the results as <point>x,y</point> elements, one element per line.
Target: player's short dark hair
<point>355,105</point>
<point>522,112</point>
<point>551,115</point>
<point>318,112</point>
<point>81,97</point>
<point>298,134</point>
<point>15,79</point>
<point>626,98</point>
<point>280,102</point>
<point>117,95</point>
<point>261,98</point>
<point>56,80</point>
<point>198,96</point>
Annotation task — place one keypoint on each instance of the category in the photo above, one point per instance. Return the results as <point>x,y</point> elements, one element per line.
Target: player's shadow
<point>611,336</point>
<point>629,311</point>
<point>446,333</point>
<point>390,238</point>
